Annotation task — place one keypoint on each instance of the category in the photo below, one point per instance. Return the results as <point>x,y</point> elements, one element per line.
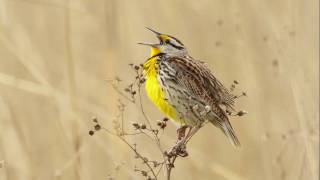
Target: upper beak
<point>155,32</point>
<point>149,44</point>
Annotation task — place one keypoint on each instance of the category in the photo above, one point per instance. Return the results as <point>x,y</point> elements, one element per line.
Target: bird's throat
<point>150,66</point>
<point>155,51</point>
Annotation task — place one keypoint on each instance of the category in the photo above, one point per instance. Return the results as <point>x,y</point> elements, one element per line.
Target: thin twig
<point>112,83</point>
<point>135,151</point>
<point>170,166</point>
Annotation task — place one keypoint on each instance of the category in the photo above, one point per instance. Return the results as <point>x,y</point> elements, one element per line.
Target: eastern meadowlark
<point>184,88</point>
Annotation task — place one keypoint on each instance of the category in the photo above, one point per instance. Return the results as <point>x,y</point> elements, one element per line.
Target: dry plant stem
<point>169,162</point>
<point>122,123</point>
<point>170,166</point>
<point>155,135</point>
<point>142,109</point>
<point>140,100</point>
<point>141,157</point>
<point>148,121</point>
<point>138,74</point>
<point>183,142</point>
<point>135,151</point>
<point>112,82</point>
<point>156,138</point>
<point>140,132</point>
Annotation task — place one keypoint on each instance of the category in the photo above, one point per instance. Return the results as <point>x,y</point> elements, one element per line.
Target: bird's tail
<point>220,119</point>
<point>229,132</point>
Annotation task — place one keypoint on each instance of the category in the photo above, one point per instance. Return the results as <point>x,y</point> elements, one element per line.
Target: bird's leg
<point>193,131</point>
<point>189,134</point>
<point>181,131</point>
<point>180,147</point>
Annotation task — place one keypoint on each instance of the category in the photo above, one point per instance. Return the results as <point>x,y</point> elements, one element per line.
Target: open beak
<point>150,44</point>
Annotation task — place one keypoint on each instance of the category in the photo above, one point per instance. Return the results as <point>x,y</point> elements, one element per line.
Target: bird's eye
<point>167,41</point>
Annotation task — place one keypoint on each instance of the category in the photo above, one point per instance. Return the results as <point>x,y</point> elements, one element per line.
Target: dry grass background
<point>55,56</point>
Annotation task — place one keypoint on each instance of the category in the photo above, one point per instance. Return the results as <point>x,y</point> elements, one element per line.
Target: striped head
<point>168,45</point>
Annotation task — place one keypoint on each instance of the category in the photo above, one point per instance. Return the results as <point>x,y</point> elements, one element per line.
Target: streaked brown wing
<point>224,96</point>
<point>197,77</point>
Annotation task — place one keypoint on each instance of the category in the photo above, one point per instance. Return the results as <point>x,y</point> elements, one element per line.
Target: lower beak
<point>157,33</point>
<point>149,44</point>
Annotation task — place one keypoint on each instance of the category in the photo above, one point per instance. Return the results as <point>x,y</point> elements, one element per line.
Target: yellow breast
<point>154,89</point>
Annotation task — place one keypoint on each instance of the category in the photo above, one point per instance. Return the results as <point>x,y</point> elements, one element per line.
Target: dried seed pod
<point>97,127</point>
<point>142,80</point>
<point>136,125</point>
<point>136,67</point>
<point>164,125</point>
<point>95,120</point>
<point>91,133</point>
<point>159,123</point>
<point>155,131</point>
<point>165,119</point>
<point>143,126</point>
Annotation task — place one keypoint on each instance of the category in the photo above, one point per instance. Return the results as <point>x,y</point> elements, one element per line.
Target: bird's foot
<point>179,149</point>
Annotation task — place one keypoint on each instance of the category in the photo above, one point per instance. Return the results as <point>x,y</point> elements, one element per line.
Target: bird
<point>185,89</point>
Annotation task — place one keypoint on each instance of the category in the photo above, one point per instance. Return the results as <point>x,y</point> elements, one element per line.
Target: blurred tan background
<point>55,57</point>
